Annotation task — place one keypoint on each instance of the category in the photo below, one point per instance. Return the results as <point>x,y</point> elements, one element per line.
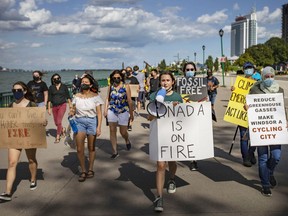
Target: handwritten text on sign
<point>192,88</point>
<point>22,127</point>
<point>235,112</point>
<point>267,119</point>
<point>185,133</point>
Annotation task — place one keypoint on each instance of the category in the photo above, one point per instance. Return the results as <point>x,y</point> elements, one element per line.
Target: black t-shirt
<point>58,97</point>
<point>38,90</point>
<point>131,80</point>
<point>154,84</point>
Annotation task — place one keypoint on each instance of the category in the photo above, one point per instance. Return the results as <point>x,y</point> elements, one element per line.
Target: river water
<point>7,79</point>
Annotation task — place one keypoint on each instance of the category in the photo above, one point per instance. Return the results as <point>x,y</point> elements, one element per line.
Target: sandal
<point>82,177</point>
<point>63,133</point>
<point>128,146</point>
<point>90,174</point>
<point>57,140</point>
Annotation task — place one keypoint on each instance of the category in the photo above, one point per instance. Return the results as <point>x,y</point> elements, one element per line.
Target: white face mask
<point>190,73</point>
<point>249,71</point>
<point>268,82</point>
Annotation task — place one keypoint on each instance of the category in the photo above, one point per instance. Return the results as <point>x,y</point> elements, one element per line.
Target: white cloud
<point>76,60</point>
<point>265,17</point>
<point>236,7</point>
<point>263,33</point>
<point>27,6</point>
<point>112,2</point>
<point>217,17</point>
<point>7,45</point>
<point>36,45</point>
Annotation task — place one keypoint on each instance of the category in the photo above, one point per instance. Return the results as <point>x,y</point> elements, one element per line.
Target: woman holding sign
<point>23,98</point>
<point>167,81</point>
<point>268,156</point>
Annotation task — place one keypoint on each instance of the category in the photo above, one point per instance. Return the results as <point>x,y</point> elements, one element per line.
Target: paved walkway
<point>126,186</point>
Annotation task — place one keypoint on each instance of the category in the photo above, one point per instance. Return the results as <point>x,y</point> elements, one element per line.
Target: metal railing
<point>6,98</point>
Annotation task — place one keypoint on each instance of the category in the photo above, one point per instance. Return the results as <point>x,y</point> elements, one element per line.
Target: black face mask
<point>117,80</point>
<point>57,81</point>
<point>36,78</point>
<point>85,86</point>
<point>128,74</point>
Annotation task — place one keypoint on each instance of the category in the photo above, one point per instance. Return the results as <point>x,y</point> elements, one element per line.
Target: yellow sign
<point>235,112</point>
<point>23,128</point>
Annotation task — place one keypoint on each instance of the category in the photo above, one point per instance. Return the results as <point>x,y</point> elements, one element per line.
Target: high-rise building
<point>285,22</point>
<point>243,33</point>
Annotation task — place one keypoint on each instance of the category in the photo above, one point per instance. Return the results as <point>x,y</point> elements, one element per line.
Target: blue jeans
<point>212,98</point>
<point>267,162</point>
<point>246,151</point>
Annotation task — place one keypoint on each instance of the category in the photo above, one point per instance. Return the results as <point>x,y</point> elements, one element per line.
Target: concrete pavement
<point>126,186</point>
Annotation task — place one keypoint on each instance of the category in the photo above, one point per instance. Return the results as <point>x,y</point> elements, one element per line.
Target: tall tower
<point>243,33</point>
<point>285,22</point>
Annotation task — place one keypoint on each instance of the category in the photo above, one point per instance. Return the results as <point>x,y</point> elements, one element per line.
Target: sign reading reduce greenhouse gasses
<point>192,88</point>
<point>267,119</point>
<point>235,112</point>
<point>183,134</point>
<point>23,128</point>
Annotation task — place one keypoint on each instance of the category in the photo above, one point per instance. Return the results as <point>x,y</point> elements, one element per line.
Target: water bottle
<point>73,124</point>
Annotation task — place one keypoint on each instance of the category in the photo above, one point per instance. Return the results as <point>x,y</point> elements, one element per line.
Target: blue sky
<point>97,34</point>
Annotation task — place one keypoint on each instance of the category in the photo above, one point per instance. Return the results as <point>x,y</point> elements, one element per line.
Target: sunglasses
<point>56,78</point>
<point>17,90</point>
<point>190,69</point>
<point>116,77</point>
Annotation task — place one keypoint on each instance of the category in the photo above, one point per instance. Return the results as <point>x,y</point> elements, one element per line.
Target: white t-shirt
<point>86,107</point>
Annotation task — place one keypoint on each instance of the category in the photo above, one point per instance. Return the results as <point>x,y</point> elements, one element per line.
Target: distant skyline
<point>98,34</point>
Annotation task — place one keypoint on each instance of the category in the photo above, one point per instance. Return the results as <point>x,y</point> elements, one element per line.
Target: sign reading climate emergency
<point>192,88</point>
<point>267,119</point>
<point>235,112</point>
<point>183,134</point>
<point>23,128</point>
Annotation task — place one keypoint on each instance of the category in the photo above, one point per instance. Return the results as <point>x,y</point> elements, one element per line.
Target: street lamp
<point>195,57</point>
<point>203,48</point>
<point>221,33</point>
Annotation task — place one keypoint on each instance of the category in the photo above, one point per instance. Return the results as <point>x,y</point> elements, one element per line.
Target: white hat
<point>267,70</point>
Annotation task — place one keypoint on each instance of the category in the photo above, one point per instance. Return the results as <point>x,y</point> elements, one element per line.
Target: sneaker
<point>129,128</point>
<point>194,166</point>
<point>128,146</point>
<point>114,156</point>
<point>247,162</point>
<point>6,197</point>
<point>272,181</point>
<point>33,185</point>
<point>158,204</point>
<point>171,186</point>
<point>266,191</point>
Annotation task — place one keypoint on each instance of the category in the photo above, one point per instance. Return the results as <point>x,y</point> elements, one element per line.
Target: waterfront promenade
<point>126,186</point>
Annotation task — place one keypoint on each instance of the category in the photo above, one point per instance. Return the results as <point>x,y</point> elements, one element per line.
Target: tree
<point>279,49</point>
<point>261,54</point>
<point>162,66</point>
<point>244,58</point>
<point>209,63</point>
<point>216,64</point>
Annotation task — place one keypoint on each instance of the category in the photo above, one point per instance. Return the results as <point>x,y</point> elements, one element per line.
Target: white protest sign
<point>183,134</point>
<point>267,119</point>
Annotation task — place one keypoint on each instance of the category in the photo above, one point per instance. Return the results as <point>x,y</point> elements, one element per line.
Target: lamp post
<point>195,57</point>
<point>221,33</point>
<point>203,48</point>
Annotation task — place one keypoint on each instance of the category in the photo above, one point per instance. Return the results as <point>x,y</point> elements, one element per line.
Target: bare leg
<point>13,158</point>
<point>113,136</point>
<point>80,138</point>
<point>33,165</point>
<point>160,177</point>
<point>91,148</point>
<point>124,133</point>
<point>172,169</point>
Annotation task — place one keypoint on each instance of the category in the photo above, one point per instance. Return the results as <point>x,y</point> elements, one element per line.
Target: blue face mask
<point>249,71</point>
<point>268,82</point>
<point>190,74</point>
<point>18,95</point>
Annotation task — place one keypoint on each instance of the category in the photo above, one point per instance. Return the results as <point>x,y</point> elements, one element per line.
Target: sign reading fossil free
<point>235,112</point>
<point>183,134</point>
<point>267,119</point>
<point>23,127</point>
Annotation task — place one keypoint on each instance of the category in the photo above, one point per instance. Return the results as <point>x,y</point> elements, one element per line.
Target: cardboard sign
<point>134,90</point>
<point>235,112</point>
<point>192,88</point>
<point>22,128</point>
<point>267,119</point>
<point>183,134</point>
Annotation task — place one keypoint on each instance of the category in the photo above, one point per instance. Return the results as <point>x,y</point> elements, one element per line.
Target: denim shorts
<point>87,125</point>
<point>212,98</point>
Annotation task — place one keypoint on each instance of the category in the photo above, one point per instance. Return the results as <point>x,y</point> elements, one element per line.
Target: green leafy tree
<point>279,49</point>
<point>162,66</point>
<point>209,63</point>
<point>261,54</point>
<point>244,58</point>
<point>216,64</point>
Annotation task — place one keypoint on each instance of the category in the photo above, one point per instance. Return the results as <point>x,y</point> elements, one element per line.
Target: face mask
<point>18,95</point>
<point>268,82</point>
<point>117,80</point>
<point>190,74</point>
<point>57,81</point>
<point>209,74</point>
<point>135,73</point>
<point>85,86</point>
<point>249,71</point>
<point>36,78</point>
<point>127,74</point>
